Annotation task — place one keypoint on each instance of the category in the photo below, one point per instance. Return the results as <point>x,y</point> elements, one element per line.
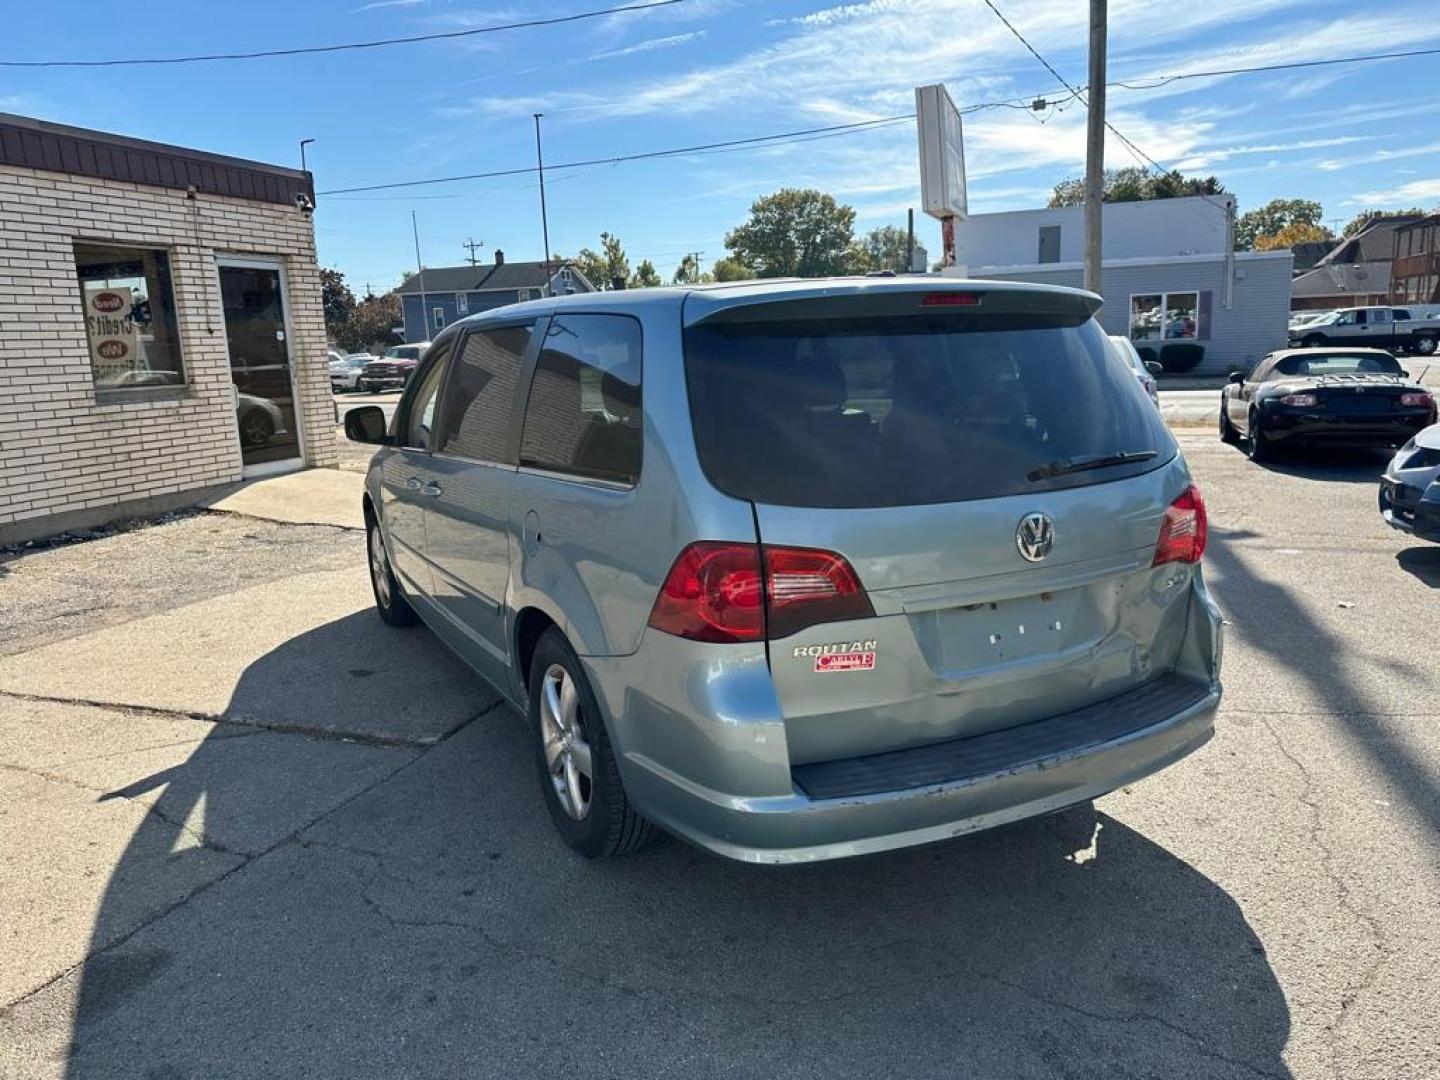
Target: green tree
<point>1365,218</point>
<point>645,276</point>
<point>887,248</point>
<point>688,272</point>
<point>1134,184</point>
<point>1274,216</point>
<point>601,268</point>
<point>371,324</point>
<point>336,299</point>
<point>731,269</point>
<point>794,233</point>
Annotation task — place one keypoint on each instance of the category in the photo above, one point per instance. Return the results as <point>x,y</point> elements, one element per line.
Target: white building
<point>1169,276</point>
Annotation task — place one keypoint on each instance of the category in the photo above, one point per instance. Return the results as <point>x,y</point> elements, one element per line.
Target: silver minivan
<point>805,569</point>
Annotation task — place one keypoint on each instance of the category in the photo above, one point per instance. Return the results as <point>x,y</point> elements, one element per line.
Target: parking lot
<point>247,830</point>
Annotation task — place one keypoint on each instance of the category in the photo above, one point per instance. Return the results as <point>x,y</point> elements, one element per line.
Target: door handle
<point>432,488</point>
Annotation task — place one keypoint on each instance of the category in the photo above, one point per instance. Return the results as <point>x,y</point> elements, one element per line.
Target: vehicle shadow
<point>435,926</point>
<point>1330,464</point>
<point>1423,562</point>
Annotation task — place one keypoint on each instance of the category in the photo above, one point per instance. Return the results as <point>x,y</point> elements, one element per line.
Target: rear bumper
<point>1377,431</point>
<point>702,752</point>
<point>798,828</point>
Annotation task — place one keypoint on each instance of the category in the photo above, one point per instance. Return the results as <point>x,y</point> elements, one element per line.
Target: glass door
<point>253,298</point>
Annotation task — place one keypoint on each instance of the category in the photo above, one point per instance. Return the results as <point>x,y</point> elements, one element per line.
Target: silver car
<point>1410,488</point>
<point>801,570</point>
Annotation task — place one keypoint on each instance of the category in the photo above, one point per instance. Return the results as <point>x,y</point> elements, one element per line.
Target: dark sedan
<point>1350,397</point>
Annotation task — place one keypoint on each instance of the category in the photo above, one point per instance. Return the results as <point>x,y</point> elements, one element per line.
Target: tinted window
<point>481,398</point>
<point>583,416</point>
<point>908,410</point>
<point>420,423</point>
<point>1299,364</point>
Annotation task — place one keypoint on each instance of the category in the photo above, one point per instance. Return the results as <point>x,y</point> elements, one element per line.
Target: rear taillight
<point>1182,530</point>
<point>806,586</point>
<point>714,592</point>
<point>1303,401</point>
<point>1416,400</point>
<point>950,299</point>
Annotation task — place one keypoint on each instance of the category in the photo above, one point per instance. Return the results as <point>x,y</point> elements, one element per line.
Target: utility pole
<point>695,262</point>
<point>420,270</point>
<point>1095,147</point>
<point>909,240</point>
<point>544,221</point>
<point>472,245</point>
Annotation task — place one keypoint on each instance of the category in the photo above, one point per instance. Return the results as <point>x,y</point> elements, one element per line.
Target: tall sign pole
<point>544,222</point>
<point>1095,148</point>
<point>420,271</point>
<point>942,162</point>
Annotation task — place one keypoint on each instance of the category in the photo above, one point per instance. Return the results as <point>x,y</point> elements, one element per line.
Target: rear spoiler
<point>937,298</point>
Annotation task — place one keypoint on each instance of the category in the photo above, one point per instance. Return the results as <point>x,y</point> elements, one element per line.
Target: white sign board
<point>110,326</point>
<point>942,153</point>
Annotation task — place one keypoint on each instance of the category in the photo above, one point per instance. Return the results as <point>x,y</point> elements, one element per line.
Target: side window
<point>420,426</point>
<point>583,415</point>
<point>1380,315</point>
<point>481,400</point>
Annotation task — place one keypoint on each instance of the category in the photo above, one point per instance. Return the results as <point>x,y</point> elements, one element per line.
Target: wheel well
<point>529,625</point>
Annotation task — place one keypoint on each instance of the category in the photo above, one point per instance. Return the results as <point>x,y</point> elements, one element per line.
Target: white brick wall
<point>61,450</point>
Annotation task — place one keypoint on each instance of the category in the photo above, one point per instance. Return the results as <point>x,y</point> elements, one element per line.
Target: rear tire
<point>1425,346</point>
<point>390,601</point>
<point>574,760</point>
<point>1258,447</point>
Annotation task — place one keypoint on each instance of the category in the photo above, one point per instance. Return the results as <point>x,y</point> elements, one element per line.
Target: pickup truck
<point>1377,327</point>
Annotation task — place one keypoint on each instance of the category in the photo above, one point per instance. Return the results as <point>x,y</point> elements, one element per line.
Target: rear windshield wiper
<point>1073,465</point>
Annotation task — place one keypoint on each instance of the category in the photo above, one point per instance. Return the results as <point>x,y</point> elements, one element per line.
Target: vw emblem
<point>1035,536</point>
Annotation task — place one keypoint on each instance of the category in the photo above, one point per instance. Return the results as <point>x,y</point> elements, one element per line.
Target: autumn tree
<point>1274,217</point>
<point>371,325</point>
<point>1290,235</point>
<point>336,299</point>
<point>794,233</point>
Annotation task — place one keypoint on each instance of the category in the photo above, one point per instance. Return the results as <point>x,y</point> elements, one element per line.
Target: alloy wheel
<point>567,753</point>
<point>379,566</point>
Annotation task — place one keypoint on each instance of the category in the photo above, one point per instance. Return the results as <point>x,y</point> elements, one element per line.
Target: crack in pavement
<point>420,753</point>
<point>1343,895</point>
<point>364,738</point>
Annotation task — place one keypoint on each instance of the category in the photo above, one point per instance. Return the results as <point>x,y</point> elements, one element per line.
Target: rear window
<point>911,410</point>
<point>1297,364</point>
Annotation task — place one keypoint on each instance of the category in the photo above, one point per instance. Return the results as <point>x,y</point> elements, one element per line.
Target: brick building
<point>1415,273</point>
<point>161,329</point>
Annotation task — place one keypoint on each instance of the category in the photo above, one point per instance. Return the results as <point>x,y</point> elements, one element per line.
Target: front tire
<point>1313,341</point>
<point>390,601</point>
<point>574,759</point>
<point>1258,447</point>
<point>1228,434</point>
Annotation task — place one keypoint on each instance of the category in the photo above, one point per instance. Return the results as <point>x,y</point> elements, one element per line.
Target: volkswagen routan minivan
<point>799,570</point>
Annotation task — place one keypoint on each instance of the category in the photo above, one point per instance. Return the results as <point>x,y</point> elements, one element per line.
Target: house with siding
<point>435,297</point>
<point>1169,274</point>
<point>1356,271</point>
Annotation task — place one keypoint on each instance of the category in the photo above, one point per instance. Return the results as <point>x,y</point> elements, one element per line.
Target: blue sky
<point>709,70</point>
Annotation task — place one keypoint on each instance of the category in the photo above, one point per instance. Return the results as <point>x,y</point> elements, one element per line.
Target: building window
<point>583,414</point>
<point>1177,316</point>
<point>462,303</point>
<point>438,314</point>
<point>129,306</point>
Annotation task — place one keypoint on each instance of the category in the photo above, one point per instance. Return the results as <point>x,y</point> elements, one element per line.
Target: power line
<point>440,36</point>
<point>804,134</point>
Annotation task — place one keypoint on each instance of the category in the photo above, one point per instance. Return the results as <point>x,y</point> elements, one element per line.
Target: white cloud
<point>1416,192</point>
<point>650,45</point>
<point>386,4</point>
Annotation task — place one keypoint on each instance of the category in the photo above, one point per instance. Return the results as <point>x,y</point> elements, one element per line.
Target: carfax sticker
<point>847,661</point>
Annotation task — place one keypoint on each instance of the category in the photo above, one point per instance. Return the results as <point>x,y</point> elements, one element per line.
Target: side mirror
<point>1153,368</point>
<point>1406,374</point>
<point>1236,377</point>
<point>366,425</point>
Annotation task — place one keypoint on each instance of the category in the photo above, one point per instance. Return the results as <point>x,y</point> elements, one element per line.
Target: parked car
<point>393,370</point>
<point>1381,327</point>
<point>259,419</point>
<point>1305,318</point>
<point>1145,372</point>
<point>345,372</point>
<point>837,566</point>
<point>1410,488</point>
<point>1355,397</point>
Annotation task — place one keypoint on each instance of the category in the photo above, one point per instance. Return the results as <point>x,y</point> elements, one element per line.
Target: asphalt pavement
<point>248,831</point>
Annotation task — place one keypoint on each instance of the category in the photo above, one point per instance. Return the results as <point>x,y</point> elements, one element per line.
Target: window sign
<point>128,305</point>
